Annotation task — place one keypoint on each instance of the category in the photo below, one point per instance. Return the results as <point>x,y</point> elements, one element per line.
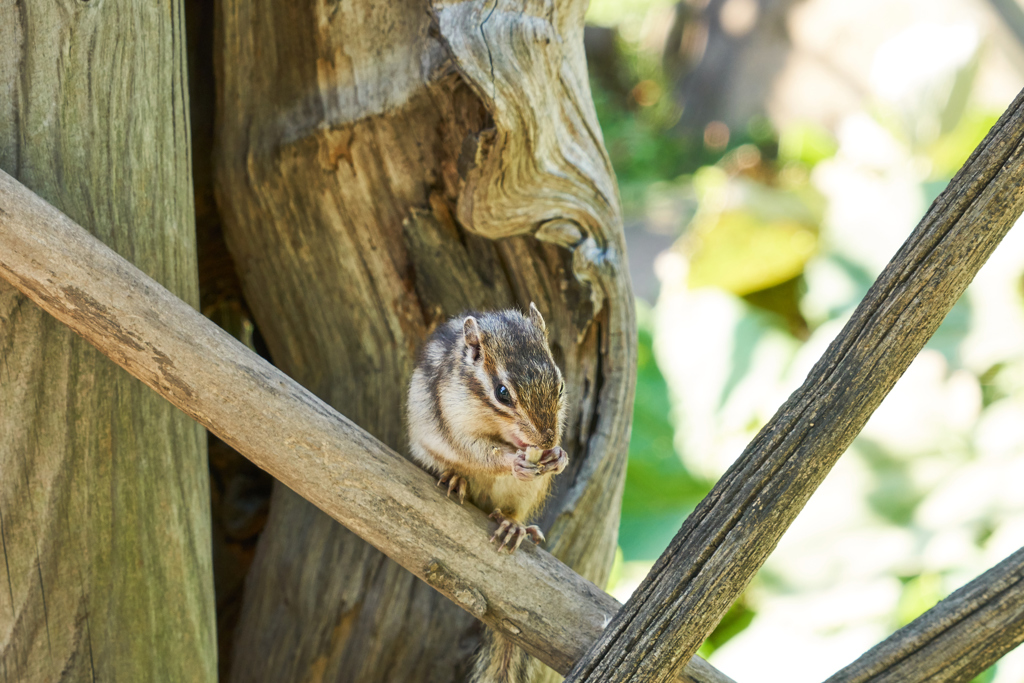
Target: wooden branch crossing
<point>734,529</point>
<point>961,636</point>
<point>535,599</point>
<point>539,602</point>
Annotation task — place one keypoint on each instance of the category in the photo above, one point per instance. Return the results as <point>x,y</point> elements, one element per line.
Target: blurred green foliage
<point>644,149</point>
<point>737,618</point>
<point>756,243</point>
<point>757,229</point>
<point>806,144</point>
<point>947,153</point>
<point>659,492</point>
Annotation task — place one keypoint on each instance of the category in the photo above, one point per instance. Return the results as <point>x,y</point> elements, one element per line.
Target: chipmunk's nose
<point>547,439</point>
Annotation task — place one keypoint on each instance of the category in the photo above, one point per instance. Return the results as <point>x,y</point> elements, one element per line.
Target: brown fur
<point>457,424</point>
<point>459,427</point>
<point>500,661</point>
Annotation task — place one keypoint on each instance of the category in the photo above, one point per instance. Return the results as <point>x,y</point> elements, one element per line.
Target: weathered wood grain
<point>533,597</point>
<point>730,534</point>
<point>104,494</point>
<point>957,639</point>
<point>381,167</point>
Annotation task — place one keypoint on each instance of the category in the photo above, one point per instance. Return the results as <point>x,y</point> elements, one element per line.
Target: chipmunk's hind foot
<point>511,531</point>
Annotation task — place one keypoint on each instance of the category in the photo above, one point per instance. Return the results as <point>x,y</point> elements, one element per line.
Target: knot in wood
<point>442,579</point>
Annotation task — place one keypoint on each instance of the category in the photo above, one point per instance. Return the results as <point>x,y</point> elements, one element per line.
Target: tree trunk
<point>533,598</point>
<point>380,167</point>
<point>104,494</point>
<point>724,58</point>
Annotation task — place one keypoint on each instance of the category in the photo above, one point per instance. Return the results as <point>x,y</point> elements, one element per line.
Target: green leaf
<point>743,254</point>
<point>951,150</point>
<point>807,144</point>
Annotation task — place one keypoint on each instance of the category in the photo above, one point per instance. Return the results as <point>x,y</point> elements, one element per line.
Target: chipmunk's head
<point>511,371</point>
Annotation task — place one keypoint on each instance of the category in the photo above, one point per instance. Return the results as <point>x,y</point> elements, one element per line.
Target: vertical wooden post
<point>104,495</point>
<point>380,167</point>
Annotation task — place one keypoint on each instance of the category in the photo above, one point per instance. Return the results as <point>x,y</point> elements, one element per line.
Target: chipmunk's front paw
<point>523,469</point>
<point>511,531</point>
<point>455,483</point>
<point>553,460</point>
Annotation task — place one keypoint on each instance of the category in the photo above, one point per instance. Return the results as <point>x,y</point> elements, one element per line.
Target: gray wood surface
<point>957,639</point>
<point>319,454</point>
<point>380,167</point>
<point>730,534</point>
<point>104,494</point>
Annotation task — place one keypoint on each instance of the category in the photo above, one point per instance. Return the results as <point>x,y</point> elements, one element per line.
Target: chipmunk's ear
<point>471,333</point>
<point>537,319</point>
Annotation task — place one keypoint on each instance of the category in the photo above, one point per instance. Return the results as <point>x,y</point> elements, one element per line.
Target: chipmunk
<point>485,413</point>
<point>485,397</point>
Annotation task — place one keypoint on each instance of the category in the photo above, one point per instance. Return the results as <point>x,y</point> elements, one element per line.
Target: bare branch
<point>731,533</point>
<point>955,640</point>
<point>532,597</point>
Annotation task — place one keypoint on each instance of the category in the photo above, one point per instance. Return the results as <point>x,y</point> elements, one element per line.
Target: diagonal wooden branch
<point>957,639</point>
<point>731,533</point>
<point>537,601</point>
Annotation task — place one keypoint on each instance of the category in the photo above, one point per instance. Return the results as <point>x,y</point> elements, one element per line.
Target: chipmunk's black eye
<point>502,394</point>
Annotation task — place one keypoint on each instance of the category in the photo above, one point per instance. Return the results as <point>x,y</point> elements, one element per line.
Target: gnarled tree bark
<point>532,597</point>
<point>104,498</point>
<point>380,167</point>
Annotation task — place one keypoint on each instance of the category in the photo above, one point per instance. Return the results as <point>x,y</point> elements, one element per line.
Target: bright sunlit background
<point>772,156</point>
